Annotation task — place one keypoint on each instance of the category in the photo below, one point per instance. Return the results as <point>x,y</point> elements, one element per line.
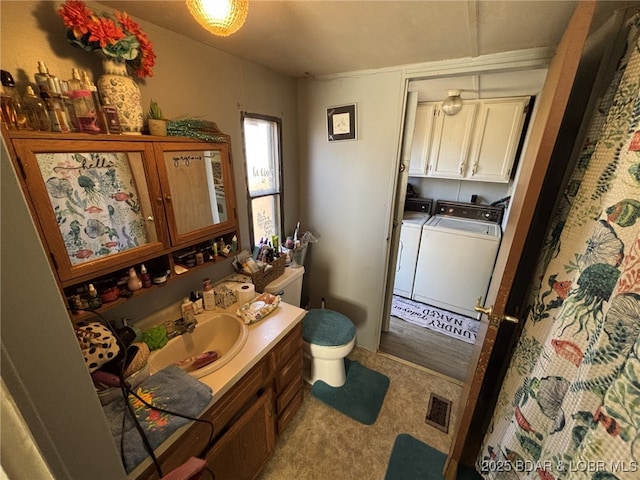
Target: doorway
<point>441,354</point>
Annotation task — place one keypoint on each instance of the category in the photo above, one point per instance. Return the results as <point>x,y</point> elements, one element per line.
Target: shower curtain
<point>569,407</point>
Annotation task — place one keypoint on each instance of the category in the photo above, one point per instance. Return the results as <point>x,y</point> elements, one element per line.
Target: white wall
<point>41,361</point>
<point>346,194</point>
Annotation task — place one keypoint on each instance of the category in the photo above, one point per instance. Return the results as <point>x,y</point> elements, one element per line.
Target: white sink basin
<point>224,334</point>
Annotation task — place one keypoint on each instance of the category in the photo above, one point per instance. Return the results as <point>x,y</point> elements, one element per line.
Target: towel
<point>171,389</point>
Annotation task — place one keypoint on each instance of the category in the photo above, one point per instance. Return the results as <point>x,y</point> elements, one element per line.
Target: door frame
<point>532,59</point>
<point>552,103</point>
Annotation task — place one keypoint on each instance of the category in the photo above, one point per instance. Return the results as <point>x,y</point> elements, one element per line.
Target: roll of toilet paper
<point>245,292</point>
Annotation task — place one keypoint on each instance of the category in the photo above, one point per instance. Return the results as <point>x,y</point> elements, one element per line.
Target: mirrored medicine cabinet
<point>104,203</point>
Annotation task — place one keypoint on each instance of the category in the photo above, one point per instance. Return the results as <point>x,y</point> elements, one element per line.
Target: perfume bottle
<point>36,110</point>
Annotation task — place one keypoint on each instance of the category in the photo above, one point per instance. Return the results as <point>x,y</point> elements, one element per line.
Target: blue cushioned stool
<point>329,337</point>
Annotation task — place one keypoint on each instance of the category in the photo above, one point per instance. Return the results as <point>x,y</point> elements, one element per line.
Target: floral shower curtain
<point>570,403</point>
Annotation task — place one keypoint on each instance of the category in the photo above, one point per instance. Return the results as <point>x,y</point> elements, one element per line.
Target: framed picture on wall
<point>341,123</point>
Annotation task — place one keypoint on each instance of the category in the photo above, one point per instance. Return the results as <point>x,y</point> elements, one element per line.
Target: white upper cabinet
<point>422,132</point>
<point>498,130</point>
<point>478,143</point>
<point>451,140</point>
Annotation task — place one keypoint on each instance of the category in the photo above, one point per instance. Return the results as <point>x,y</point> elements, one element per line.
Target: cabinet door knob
<point>167,198</point>
<point>150,218</point>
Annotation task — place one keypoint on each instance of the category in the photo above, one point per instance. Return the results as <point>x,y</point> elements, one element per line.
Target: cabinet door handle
<point>167,198</point>
<point>461,169</point>
<point>150,218</point>
<point>475,168</point>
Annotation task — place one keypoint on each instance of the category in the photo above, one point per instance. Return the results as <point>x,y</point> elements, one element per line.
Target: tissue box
<point>225,297</point>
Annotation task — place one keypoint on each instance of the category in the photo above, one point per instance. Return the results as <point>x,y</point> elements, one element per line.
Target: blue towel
<point>170,389</point>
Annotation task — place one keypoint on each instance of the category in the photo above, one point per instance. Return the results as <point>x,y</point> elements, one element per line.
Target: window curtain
<point>569,407</point>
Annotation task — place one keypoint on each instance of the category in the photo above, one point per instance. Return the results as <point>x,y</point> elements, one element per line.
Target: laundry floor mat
<point>362,395</point>
<point>413,459</point>
<point>441,321</point>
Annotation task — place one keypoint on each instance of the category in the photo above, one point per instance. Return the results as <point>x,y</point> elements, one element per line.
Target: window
<point>263,162</point>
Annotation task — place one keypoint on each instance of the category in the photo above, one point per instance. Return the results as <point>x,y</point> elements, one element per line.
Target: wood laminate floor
<point>440,353</point>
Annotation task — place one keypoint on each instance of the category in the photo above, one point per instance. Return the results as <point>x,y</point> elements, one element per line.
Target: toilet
<point>328,337</point>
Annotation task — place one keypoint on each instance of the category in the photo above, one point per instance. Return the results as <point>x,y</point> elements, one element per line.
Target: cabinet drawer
<point>287,372</point>
<point>290,412</point>
<point>287,394</point>
<point>224,410</point>
<point>288,345</point>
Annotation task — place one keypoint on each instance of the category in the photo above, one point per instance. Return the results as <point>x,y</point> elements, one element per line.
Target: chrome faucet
<point>179,327</point>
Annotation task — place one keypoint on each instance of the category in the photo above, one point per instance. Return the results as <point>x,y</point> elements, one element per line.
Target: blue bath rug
<point>412,459</point>
<point>361,396</point>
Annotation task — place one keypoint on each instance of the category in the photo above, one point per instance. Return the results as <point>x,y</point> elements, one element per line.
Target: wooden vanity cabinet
<point>287,363</point>
<point>247,418</point>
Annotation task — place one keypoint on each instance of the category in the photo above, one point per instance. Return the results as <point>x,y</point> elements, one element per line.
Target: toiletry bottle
<point>220,246</point>
<point>9,88</point>
<point>85,109</point>
<point>36,110</point>
<point>94,300</point>
<point>188,313</point>
<point>134,283</point>
<point>69,106</point>
<point>8,110</point>
<point>106,124</point>
<point>54,110</point>
<point>234,244</point>
<point>111,119</point>
<point>145,278</point>
<point>42,75</point>
<point>208,296</point>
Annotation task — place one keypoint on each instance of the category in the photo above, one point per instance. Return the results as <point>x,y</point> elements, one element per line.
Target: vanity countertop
<point>263,336</point>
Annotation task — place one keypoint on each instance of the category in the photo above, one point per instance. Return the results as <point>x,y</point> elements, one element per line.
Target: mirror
<point>197,189</point>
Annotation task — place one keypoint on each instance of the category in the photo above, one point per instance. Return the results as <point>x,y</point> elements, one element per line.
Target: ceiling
<point>308,38</point>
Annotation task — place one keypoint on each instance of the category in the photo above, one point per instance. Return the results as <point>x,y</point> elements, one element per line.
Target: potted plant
<point>157,123</point>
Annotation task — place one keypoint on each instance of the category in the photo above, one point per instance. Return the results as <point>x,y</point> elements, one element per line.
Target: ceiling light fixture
<point>453,103</point>
<point>220,17</point>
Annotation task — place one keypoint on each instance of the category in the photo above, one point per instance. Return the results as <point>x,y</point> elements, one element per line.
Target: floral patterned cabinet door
<point>97,202</point>
<point>197,186</point>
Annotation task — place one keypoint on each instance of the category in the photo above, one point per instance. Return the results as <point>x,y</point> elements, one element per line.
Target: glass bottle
<point>69,107</point>
<point>54,109</point>
<point>36,110</point>
<point>145,277</point>
<point>15,105</point>
<point>8,109</point>
<point>87,84</point>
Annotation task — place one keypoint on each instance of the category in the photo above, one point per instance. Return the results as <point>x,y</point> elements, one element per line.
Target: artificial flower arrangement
<point>116,36</point>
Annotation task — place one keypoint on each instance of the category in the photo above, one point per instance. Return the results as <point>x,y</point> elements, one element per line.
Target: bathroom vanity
<point>255,397</point>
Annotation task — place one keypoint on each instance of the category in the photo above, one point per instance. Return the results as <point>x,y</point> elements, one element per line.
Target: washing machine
<point>417,212</point>
<point>458,250</point>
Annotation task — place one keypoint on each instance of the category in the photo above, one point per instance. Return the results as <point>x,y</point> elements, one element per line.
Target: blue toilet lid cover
<point>327,328</point>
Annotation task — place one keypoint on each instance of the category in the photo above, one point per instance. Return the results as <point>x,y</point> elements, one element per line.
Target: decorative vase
<point>123,93</point>
<point>157,127</point>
